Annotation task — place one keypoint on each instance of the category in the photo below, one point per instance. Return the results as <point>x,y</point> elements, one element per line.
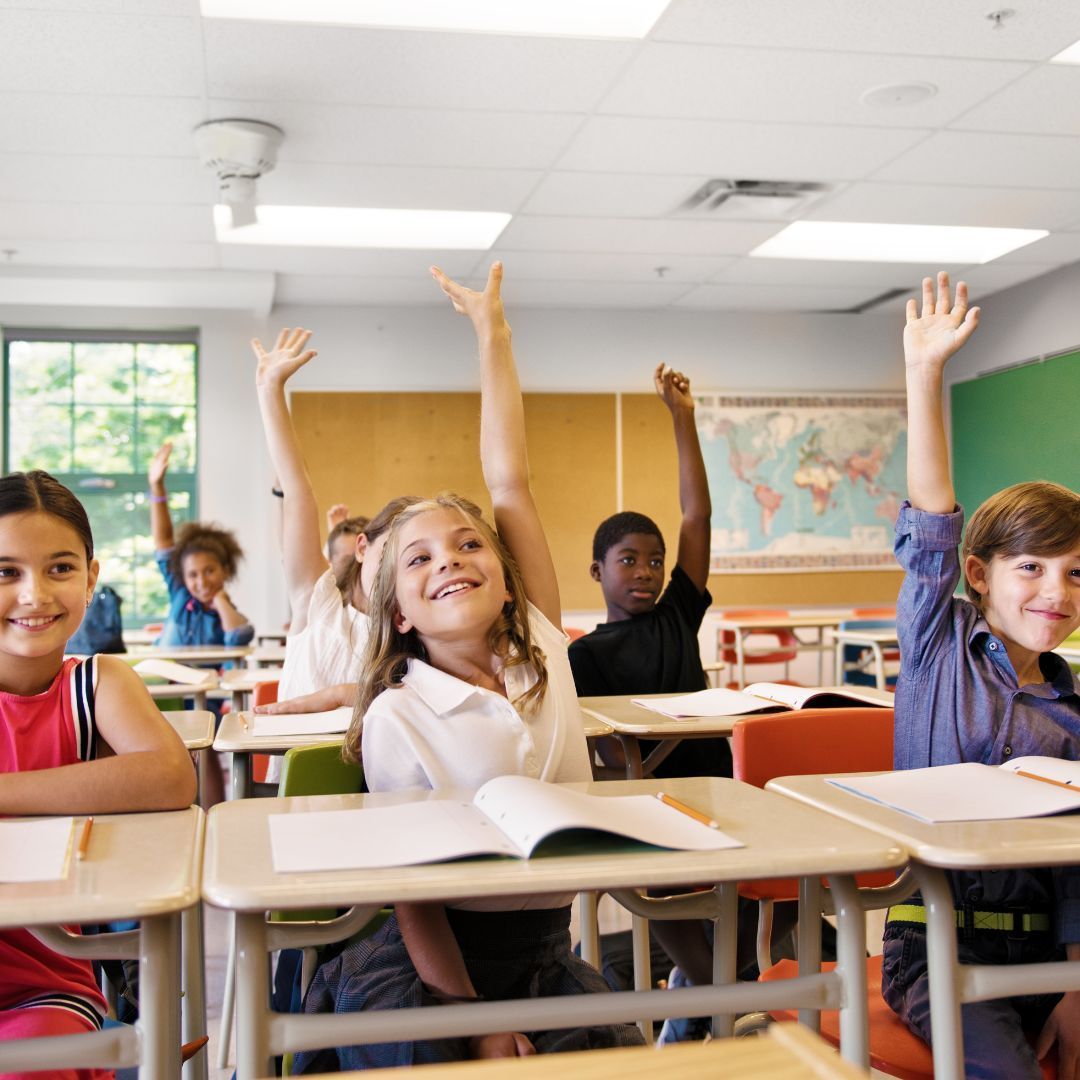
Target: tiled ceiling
<point>591,145</point>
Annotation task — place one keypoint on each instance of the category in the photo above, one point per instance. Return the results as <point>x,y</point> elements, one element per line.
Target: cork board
<point>364,449</point>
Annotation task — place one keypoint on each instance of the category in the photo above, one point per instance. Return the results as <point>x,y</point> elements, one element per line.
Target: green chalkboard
<point>1016,425</point>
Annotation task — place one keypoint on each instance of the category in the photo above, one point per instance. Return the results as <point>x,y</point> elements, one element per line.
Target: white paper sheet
<point>35,850</point>
<point>331,722</point>
<point>174,672</point>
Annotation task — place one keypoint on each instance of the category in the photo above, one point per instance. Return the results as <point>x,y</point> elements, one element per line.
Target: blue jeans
<point>996,1045</point>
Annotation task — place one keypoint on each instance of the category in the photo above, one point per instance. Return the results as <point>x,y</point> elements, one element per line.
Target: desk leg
<point>879,665</point>
<point>159,997</point>
<point>241,775</point>
<point>740,656</point>
<point>944,972</point>
<point>589,915</point>
<point>851,966</point>
<point>252,997</point>
<point>193,976</point>
<point>199,700</point>
<point>810,942</point>
<point>838,657</point>
<point>725,951</point>
<point>632,751</point>
<point>228,1004</point>
<point>642,967</point>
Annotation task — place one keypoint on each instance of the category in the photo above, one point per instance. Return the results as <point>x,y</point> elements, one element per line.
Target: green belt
<point>1030,922</point>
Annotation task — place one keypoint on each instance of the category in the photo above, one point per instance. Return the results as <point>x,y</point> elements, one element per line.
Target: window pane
<point>40,370</point>
<point>151,596</point>
<point>166,373</point>
<point>104,439</point>
<point>177,424</point>
<point>104,372</point>
<point>39,437</point>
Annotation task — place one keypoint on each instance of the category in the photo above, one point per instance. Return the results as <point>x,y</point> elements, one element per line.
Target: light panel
<point>357,227</point>
<point>862,241</point>
<point>1071,55</point>
<point>551,18</point>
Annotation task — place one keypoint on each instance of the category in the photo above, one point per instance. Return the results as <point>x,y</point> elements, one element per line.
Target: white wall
<point>430,348</point>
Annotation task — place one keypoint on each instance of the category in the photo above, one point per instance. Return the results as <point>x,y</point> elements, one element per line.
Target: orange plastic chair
<point>787,644</point>
<point>573,632</point>
<point>265,693</point>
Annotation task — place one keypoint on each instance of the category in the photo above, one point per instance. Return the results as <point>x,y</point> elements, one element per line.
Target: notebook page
<point>35,850</point>
<point>174,672</point>
<point>331,722</point>
<point>704,703</point>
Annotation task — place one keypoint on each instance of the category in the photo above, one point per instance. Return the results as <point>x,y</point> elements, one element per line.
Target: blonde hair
<point>1036,518</point>
<point>388,652</point>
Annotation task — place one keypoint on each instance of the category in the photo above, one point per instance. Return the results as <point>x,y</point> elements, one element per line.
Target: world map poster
<point>803,482</point>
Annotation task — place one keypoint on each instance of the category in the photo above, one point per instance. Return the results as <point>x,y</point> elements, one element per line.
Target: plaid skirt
<point>508,954</point>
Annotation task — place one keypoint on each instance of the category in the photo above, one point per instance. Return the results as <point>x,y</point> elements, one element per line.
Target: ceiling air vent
<point>741,199</point>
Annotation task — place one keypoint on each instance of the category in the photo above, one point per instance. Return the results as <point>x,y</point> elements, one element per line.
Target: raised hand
<point>159,466</point>
<point>485,309</point>
<point>286,358</point>
<point>941,328</point>
<point>337,513</point>
<point>673,387</point>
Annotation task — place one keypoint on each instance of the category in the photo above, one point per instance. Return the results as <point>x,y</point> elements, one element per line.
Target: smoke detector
<point>239,152</point>
<point>753,199</point>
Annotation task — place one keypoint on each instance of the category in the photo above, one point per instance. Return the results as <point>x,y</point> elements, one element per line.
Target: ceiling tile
<point>71,221</point>
<point>784,85</point>
<point>110,254</point>
<point>336,290</point>
<point>353,135</point>
<point>1044,102</point>
<point>598,294</point>
<point>975,158</point>
<point>610,194</point>
<point>629,234</point>
<point>776,298</point>
<point>920,27</point>
<point>940,204</point>
<point>993,277</point>
<point>101,54</point>
<point>50,178</point>
<point>297,184</point>
<point>734,150</point>
<point>590,267</point>
<point>290,62</point>
<point>1055,249</point>
<point>347,262</point>
<point>826,273</point>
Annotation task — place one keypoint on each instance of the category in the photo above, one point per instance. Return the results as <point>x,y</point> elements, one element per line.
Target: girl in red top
<point>76,737</point>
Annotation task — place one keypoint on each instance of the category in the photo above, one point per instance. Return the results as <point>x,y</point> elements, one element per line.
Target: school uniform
<point>655,653</point>
<point>438,731</point>
<point>957,700</point>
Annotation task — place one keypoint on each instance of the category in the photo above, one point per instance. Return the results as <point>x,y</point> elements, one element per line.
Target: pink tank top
<point>41,732</point>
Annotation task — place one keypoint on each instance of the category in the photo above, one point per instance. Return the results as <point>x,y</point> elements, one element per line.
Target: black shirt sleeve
<point>588,679</point>
<point>682,594</point>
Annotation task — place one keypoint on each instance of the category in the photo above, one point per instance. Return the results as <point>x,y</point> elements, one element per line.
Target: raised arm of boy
<point>695,530</point>
<point>502,440</point>
<point>930,338</point>
<point>302,557</point>
<point>161,526</point>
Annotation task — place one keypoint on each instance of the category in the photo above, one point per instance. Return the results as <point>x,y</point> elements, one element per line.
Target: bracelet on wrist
<point>158,498</point>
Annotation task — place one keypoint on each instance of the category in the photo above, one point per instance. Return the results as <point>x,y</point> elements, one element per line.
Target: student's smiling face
<point>45,584</point>
<point>204,576</point>
<point>450,583</point>
<point>1032,601</point>
<point>631,575</point>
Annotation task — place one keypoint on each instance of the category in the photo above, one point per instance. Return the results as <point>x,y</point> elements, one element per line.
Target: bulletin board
<point>364,449</point>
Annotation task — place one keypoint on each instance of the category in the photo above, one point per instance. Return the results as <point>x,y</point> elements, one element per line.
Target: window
<point>92,407</point>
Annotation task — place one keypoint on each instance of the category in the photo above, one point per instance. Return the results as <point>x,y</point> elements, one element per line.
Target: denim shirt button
<point>993,646</point>
<point>1007,751</point>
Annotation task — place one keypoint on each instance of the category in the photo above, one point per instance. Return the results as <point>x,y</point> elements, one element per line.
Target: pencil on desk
<point>84,839</point>
<point>1047,780</point>
<point>689,811</point>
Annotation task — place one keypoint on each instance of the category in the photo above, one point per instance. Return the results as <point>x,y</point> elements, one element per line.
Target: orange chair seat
<point>780,889</point>
<point>265,693</point>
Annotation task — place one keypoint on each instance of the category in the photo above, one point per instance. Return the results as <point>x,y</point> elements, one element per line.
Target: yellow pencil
<point>689,811</point>
<point>84,839</point>
<point>1046,780</point>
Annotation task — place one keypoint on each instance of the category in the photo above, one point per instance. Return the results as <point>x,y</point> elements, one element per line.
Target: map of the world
<point>803,482</point>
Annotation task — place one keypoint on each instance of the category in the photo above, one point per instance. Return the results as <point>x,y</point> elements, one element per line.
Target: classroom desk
<point>266,656</point>
<point>778,836</point>
<point>782,1052</point>
<point>241,683</point>
<point>167,691</point>
<point>138,866</point>
<point>278,637</point>
<point>747,625</point>
<point>933,849</point>
<point>194,726</point>
<point>878,641</point>
<point>630,723</point>
<point>191,654</point>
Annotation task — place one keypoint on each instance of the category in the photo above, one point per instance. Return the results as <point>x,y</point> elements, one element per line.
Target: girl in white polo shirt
<point>466,678</point>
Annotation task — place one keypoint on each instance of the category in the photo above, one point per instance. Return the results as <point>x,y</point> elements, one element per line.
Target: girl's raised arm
<point>502,440</point>
<point>302,555</point>
<point>160,519</point>
<point>930,338</point>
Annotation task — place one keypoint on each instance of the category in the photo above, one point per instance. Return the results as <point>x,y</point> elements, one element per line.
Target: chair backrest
<point>319,770</point>
<point>265,693</point>
<point>875,613</point>
<point>812,741</point>
<point>573,632</point>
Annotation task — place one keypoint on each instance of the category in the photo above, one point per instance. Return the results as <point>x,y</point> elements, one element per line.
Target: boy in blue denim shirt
<point>979,682</point>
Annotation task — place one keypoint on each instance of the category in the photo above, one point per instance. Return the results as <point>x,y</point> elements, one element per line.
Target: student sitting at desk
<point>76,736</point>
<point>466,678</point>
<point>980,682</point>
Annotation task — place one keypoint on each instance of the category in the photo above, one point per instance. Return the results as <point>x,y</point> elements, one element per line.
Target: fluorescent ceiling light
<point>863,241</point>
<point>353,227</point>
<point>1071,55</point>
<point>553,18</point>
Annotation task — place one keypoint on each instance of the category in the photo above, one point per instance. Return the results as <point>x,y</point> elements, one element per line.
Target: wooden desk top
<point>160,690</point>
<point>880,636</point>
<point>953,845</point>
<point>191,654</point>
<point>194,726</point>
<point>136,865</point>
<point>621,714</point>
<point>780,838</point>
<point>782,1052</point>
<point>789,621</point>
<point>246,679</point>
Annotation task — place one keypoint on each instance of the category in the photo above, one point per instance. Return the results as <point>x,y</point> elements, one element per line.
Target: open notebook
<point>182,674</point>
<point>35,850</point>
<point>510,815</point>
<point>762,698</point>
<point>330,722</point>
<point>1022,788</point>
